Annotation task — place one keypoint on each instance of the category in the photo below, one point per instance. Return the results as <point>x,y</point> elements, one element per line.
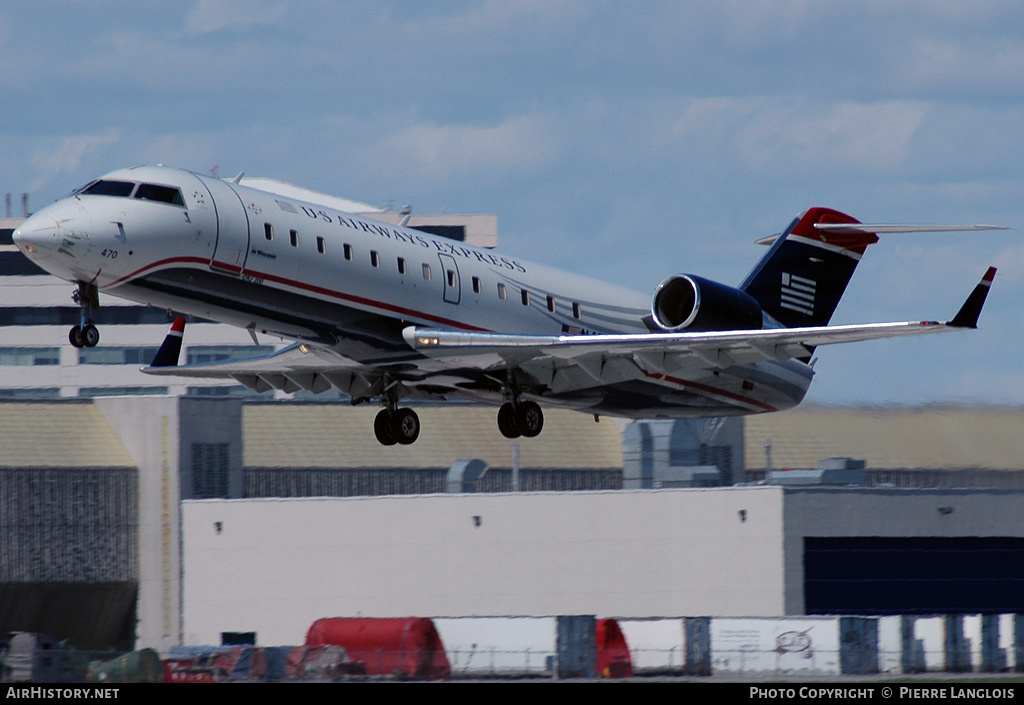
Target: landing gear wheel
<point>529,419</point>
<point>405,426</point>
<point>507,421</point>
<point>382,429</point>
<point>75,337</point>
<point>90,335</point>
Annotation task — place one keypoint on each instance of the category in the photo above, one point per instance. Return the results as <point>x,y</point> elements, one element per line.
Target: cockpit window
<point>122,189</point>
<point>163,194</point>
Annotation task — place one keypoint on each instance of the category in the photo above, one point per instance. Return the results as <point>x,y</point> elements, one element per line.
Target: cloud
<point>444,150</point>
<point>769,134</point>
<point>69,155</point>
<point>209,16</point>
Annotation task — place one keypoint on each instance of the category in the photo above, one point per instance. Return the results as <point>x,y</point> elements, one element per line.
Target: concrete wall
<point>274,566</point>
<point>148,429</point>
<point>158,433</point>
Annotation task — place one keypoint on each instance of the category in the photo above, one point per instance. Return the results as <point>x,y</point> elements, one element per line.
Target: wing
<point>566,362</point>
<point>556,363</point>
<point>296,367</point>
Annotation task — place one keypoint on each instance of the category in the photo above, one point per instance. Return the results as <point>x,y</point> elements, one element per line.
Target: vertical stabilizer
<point>803,276</point>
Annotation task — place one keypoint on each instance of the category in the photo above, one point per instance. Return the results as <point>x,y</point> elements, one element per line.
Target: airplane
<point>389,313</point>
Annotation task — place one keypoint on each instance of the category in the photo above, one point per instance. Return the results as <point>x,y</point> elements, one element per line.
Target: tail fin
<point>167,355</point>
<point>803,276</point>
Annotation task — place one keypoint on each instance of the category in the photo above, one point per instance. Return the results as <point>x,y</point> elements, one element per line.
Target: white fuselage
<point>310,273</point>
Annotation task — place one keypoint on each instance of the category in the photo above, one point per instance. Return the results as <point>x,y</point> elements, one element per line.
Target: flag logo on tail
<point>797,294</point>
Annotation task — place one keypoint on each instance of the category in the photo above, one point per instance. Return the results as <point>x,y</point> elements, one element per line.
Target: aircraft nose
<point>62,227</point>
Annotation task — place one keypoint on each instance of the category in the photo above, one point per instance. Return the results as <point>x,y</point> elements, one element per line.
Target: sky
<point>626,141</point>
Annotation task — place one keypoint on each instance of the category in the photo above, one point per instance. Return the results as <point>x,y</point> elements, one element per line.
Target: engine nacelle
<point>687,302</point>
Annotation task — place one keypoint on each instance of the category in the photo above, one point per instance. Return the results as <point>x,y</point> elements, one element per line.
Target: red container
<point>407,647</point>
<point>612,657</point>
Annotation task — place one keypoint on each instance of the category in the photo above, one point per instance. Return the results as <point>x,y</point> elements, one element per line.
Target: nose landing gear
<point>85,334</point>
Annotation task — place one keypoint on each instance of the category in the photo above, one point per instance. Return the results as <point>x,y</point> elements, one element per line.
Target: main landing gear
<point>396,426</point>
<point>85,334</point>
<point>520,419</point>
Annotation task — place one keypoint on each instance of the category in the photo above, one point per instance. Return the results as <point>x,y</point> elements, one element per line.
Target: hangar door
<point>871,575</point>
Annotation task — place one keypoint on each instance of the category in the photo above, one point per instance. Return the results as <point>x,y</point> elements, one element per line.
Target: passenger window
<point>476,285</point>
<point>348,251</point>
<point>161,194</point>
<point>374,258</point>
<point>426,271</point>
<point>551,304</point>
<point>502,291</point>
<point>577,310</point>
<point>268,231</point>
<point>321,245</point>
<point>294,234</point>
<point>526,298</point>
<point>451,277</point>
<point>401,265</point>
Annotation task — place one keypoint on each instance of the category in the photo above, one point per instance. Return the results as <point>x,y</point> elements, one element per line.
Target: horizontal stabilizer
<point>867,228</point>
<point>878,228</point>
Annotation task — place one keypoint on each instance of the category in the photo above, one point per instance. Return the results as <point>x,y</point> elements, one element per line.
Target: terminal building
<point>156,521</point>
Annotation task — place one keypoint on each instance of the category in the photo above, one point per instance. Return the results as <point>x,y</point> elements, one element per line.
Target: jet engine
<point>688,302</point>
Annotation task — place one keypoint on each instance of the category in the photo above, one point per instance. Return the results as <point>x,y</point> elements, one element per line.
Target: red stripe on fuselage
<point>708,389</point>
<point>308,287</point>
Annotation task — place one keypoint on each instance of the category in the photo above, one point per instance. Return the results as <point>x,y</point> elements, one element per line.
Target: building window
<point>210,470</point>
<point>215,353</point>
<point>268,231</point>
<point>29,357</point>
<point>116,356</point>
<point>294,234</point>
<point>121,391</point>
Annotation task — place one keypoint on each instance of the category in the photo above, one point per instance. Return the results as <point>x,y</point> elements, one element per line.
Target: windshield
<point>109,188</point>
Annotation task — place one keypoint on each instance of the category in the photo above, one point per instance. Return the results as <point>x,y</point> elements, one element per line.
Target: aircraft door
<point>232,245</point>
<point>452,283</point>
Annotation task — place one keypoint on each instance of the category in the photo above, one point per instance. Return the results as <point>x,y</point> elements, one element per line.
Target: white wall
<point>277,565</point>
<point>148,429</point>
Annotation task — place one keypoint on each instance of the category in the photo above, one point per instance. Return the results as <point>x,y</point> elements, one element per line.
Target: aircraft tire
<point>90,336</point>
<point>382,429</point>
<point>529,419</point>
<point>405,426</point>
<point>507,421</point>
<point>75,337</point>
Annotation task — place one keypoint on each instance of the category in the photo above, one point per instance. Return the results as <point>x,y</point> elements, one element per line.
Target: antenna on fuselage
<point>406,215</point>
<point>238,179</point>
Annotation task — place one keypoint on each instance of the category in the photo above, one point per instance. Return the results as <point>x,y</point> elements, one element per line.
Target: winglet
<point>167,355</point>
<point>967,316</point>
